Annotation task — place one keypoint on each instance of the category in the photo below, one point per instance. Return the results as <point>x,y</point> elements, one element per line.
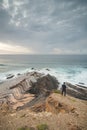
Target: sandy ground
<point>76,120</point>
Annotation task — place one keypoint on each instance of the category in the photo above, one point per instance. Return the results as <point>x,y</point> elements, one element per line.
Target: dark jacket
<point>64,87</point>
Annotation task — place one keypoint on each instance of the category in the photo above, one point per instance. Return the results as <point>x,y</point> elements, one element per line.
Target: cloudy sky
<point>43,26</point>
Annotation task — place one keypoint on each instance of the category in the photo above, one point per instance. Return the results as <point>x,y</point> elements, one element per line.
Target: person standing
<point>64,89</point>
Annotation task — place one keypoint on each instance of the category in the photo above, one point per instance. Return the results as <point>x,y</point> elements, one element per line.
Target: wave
<point>63,75</point>
<point>72,75</point>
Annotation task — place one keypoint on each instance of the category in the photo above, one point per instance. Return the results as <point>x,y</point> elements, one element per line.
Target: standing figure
<point>64,89</point>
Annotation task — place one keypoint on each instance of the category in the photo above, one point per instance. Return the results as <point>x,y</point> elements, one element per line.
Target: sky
<point>43,26</point>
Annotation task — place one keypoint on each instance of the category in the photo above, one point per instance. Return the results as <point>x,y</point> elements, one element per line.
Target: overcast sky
<point>43,26</point>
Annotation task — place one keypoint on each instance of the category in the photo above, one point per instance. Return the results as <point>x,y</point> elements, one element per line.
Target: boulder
<point>32,68</point>
<point>9,76</point>
<point>48,69</point>
<point>44,85</point>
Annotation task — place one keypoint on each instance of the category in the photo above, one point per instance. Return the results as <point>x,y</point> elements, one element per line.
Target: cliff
<point>35,99</point>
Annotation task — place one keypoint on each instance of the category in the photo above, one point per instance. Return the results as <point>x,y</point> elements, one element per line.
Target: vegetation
<point>22,128</point>
<point>57,91</point>
<point>42,127</point>
<point>73,100</point>
<point>23,115</point>
<point>39,127</point>
<point>25,128</point>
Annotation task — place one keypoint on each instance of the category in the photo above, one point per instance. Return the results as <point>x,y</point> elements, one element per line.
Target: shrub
<point>25,128</point>
<point>42,127</point>
<point>22,128</point>
<point>57,91</point>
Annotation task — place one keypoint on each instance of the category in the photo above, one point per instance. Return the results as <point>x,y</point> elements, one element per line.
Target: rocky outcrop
<point>33,92</point>
<point>41,89</point>
<point>9,76</point>
<point>55,105</point>
<point>36,84</point>
<point>44,85</point>
<point>77,91</point>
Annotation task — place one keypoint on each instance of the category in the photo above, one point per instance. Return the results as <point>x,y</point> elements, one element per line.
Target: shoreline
<point>13,81</point>
<point>13,75</point>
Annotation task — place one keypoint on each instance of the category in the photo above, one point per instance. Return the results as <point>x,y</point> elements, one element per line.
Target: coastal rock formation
<point>77,91</point>
<point>34,86</point>
<point>33,90</point>
<point>44,85</point>
<point>9,76</point>
<point>37,97</point>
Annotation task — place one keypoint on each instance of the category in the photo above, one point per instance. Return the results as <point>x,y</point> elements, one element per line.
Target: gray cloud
<point>45,25</point>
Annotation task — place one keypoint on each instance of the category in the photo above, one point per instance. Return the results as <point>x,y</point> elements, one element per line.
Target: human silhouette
<point>64,89</point>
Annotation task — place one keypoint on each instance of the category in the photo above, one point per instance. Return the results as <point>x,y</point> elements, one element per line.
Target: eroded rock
<point>55,105</point>
<point>44,85</point>
<point>35,84</point>
<point>77,91</point>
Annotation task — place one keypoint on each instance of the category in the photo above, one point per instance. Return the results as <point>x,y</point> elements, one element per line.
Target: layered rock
<point>34,86</point>
<point>33,91</point>
<point>77,91</point>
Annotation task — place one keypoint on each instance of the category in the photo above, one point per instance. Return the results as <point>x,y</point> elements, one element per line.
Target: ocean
<point>66,68</point>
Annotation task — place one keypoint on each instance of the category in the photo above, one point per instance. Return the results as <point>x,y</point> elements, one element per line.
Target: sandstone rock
<point>4,108</point>
<point>39,107</point>
<point>55,105</point>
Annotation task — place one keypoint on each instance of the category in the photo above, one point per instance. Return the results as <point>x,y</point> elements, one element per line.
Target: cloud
<point>4,48</point>
<point>79,47</point>
<point>47,26</point>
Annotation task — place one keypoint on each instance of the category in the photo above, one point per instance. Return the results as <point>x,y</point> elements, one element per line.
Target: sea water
<point>66,68</point>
